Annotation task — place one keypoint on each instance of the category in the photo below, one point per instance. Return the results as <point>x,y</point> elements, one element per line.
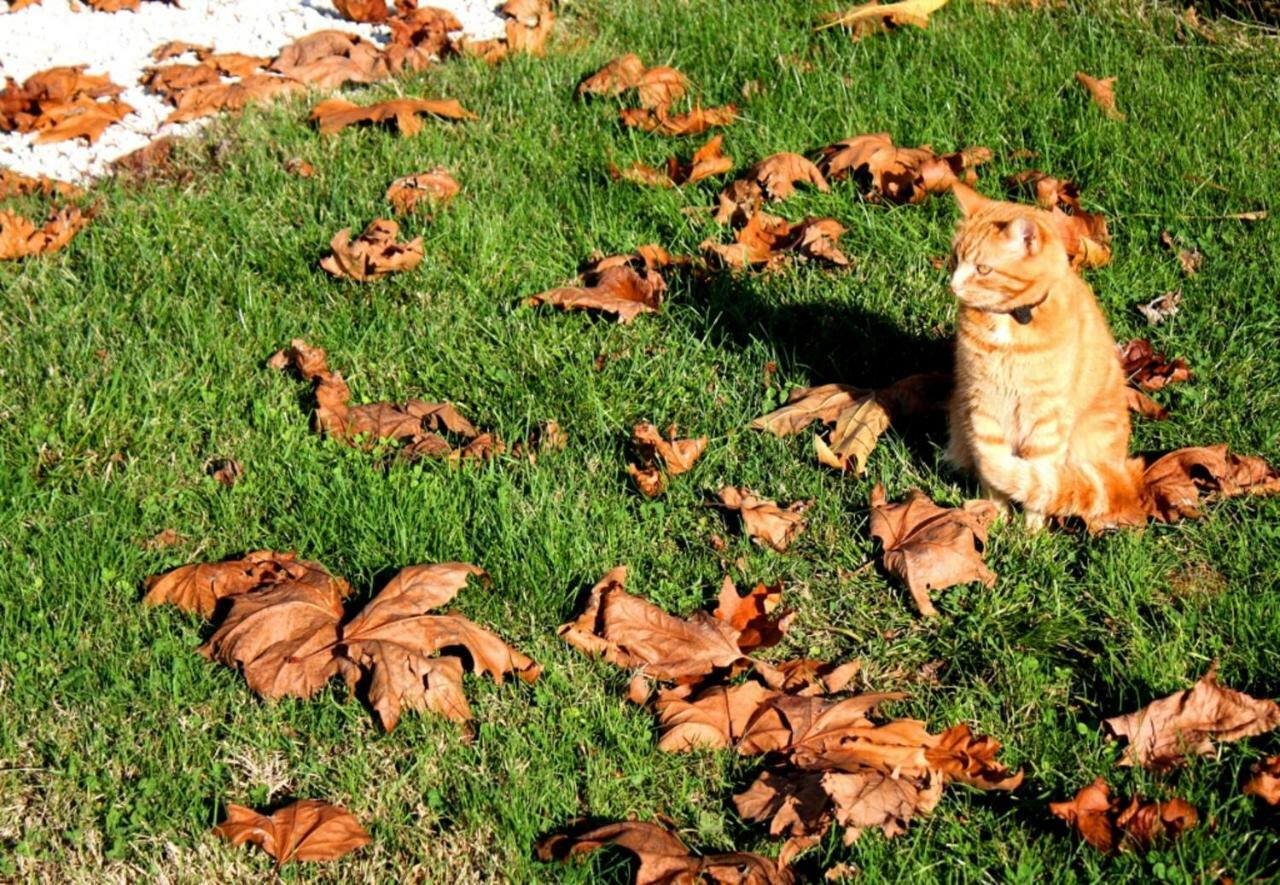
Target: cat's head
<point>1002,251</point>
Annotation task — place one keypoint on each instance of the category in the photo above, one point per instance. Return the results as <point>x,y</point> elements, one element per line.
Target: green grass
<point>133,357</point>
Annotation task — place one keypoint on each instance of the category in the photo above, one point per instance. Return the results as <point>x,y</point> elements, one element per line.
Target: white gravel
<point>64,32</point>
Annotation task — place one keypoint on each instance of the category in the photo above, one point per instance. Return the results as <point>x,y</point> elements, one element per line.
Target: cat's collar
<point>1022,315</point>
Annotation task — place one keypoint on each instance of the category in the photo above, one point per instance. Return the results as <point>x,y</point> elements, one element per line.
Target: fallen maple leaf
<point>663,858</point>
<point>417,425</point>
<point>299,167</point>
<point>659,87</point>
<point>692,122</point>
<point>174,48</point>
<point>419,37</point>
<point>372,255</point>
<point>328,59</point>
<point>614,78</point>
<point>1157,310</point>
<point>632,633</point>
<point>1162,734</point>
<point>308,829</point>
<point>1265,781</point>
<point>898,174</point>
<point>528,25</point>
<point>432,188</point>
<point>337,113</point>
<point>768,240</point>
<point>212,98</point>
<point>857,416</point>
<point>932,547</point>
<point>281,636</point>
<point>676,456</point>
<point>1189,259</point>
<point>1109,824</point>
<point>624,285</point>
<point>199,587</point>
<point>1146,367</point>
<point>1102,92</point>
<point>1177,483</point>
<point>62,103</point>
<point>715,718</point>
<point>1084,234</point>
<point>707,161</point>
<point>753,616</point>
<point>362,10</point>
<point>853,772</point>
<point>873,17</point>
<point>766,522</point>
<point>392,646</point>
<point>15,184</point>
<point>1141,404</point>
<point>20,238</point>
<point>225,471</point>
<point>777,175</point>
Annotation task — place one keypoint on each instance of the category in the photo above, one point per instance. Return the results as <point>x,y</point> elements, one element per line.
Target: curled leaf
<point>308,829</point>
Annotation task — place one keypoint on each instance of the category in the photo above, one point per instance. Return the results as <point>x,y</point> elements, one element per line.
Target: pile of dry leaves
<point>281,621</point>
<point>828,762</point>
<point>62,103</point>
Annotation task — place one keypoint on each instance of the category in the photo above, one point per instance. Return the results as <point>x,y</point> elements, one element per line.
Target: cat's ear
<point>970,200</point>
<point>1025,231</point>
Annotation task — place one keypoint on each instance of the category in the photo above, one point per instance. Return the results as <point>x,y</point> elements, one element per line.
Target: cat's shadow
<point>827,341</point>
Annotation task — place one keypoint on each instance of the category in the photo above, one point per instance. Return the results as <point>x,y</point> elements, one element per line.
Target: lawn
<point>138,353</point>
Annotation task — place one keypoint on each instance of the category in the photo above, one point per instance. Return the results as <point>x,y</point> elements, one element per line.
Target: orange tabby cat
<point>1039,409</point>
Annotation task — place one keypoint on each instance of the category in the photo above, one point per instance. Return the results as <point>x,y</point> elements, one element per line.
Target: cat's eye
<point>983,269</point>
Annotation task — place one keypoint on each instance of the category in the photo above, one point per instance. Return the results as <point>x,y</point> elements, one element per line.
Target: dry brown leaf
<point>1149,369</point>
<point>162,540</point>
<point>632,633</point>
<point>1085,234</point>
<point>1177,483</point>
<point>770,241</point>
<point>753,615</point>
<point>898,174</point>
<point>174,48</point>
<point>362,10</point>
<point>336,114</point>
<point>20,238</point>
<point>430,189</point>
<point>212,98</point>
<point>1157,310</point>
<point>766,522</point>
<point>692,122</point>
<point>282,636</point>
<point>15,184</point>
<point>62,103</point>
<point>660,458</point>
<point>1265,781</point>
<point>299,167</point>
<point>777,175</point>
<point>1141,404</point>
<point>874,17</point>
<point>1102,92</point>
<point>856,432</point>
<point>707,161</point>
<point>308,829</point>
<point>1109,824</point>
<point>663,858</point>
<point>624,285</point>
<point>416,425</point>
<point>391,646</point>
<point>807,677</point>
<point>372,255</point>
<point>420,37</point>
<point>225,471</point>
<point>714,719</point>
<point>1190,259</point>
<point>851,771</point>
<point>659,87</point>
<point>931,547</point>
<point>528,25</point>
<point>1162,734</point>
<point>618,76</point>
<point>328,59</point>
